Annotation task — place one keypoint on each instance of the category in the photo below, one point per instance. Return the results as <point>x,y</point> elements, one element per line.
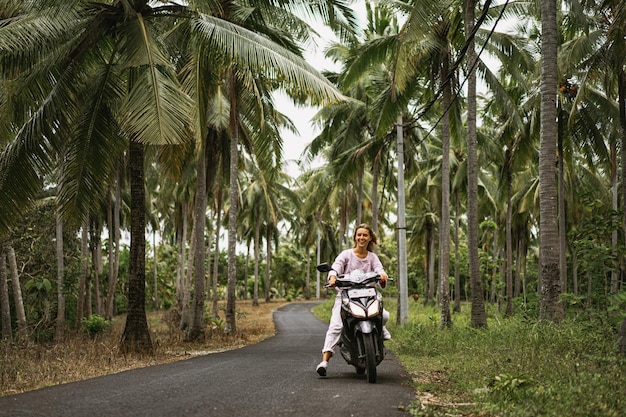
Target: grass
<point>28,366</point>
<point>514,368</point>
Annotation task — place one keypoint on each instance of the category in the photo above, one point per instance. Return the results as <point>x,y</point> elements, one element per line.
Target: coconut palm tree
<point>550,308</point>
<point>85,71</point>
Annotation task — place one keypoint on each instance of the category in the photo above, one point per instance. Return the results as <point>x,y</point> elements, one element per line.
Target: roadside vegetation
<point>517,367</point>
<point>28,366</point>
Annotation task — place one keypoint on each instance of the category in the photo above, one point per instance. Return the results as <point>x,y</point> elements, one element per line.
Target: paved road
<point>275,377</point>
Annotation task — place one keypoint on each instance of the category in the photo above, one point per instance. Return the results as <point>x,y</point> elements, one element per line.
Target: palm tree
<point>113,54</point>
<point>478,314</point>
<point>550,308</point>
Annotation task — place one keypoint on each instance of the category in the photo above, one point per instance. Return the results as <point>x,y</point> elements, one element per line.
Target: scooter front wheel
<point>370,357</point>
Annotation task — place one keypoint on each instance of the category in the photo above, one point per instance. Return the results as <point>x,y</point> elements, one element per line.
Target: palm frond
<point>261,55</point>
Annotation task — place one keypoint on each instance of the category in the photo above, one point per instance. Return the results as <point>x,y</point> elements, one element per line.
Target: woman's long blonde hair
<point>374,241</point>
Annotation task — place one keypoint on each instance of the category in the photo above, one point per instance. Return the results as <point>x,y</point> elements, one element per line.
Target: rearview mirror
<point>323,267</point>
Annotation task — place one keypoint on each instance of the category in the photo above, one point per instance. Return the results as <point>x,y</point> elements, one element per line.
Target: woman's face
<point>362,237</point>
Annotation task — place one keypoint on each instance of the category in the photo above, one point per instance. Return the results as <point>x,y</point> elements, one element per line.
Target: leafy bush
<point>95,325</point>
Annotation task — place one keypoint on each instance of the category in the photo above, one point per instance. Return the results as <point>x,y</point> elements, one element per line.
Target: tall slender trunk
<point>622,119</point>
<point>216,255</point>
<point>561,202</point>
<point>614,206</point>
<point>246,272</point>
<point>257,256</point>
<point>550,284</point>
<point>5,310</point>
<point>444,224</point>
<point>574,273</point>
<point>375,168</point>
<point>84,271</point>
<point>509,245</point>
<point>430,239</point>
<point>187,281</point>
<point>231,325</point>
<point>136,336</point>
<point>517,285</point>
<point>96,259</point>
<point>478,313</point>
<point>268,246</point>
<point>114,246</point>
<point>496,264</point>
<point>403,293</point>
<point>196,330</point>
<point>307,285</point>
<point>155,274</point>
<point>457,258</point>
<point>59,333</point>
<point>22,329</point>
<point>182,270</point>
<point>359,205</point>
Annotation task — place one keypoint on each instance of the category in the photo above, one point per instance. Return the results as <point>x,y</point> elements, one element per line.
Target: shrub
<point>95,325</point>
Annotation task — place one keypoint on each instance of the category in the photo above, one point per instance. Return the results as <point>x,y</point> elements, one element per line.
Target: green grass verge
<point>516,367</point>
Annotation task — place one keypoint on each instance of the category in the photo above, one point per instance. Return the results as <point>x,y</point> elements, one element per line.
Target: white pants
<point>333,334</point>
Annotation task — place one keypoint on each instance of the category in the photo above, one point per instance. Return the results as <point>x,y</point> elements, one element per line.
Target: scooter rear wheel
<point>370,357</point>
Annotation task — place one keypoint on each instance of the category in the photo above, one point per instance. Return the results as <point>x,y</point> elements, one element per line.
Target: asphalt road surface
<point>275,377</point>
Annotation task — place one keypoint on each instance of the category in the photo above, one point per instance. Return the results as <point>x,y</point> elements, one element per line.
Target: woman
<point>362,257</point>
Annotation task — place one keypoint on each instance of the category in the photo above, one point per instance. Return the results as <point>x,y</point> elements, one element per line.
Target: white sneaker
<point>321,368</point>
<point>386,334</point>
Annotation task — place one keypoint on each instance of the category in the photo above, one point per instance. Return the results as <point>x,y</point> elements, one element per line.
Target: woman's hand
<point>383,280</point>
<point>332,280</point>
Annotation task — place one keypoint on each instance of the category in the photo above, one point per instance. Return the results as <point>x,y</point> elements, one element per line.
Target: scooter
<point>361,342</point>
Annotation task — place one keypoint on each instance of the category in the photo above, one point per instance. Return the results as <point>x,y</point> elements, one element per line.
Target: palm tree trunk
<point>359,205</point>
<point>216,255</point>
<point>5,311</point>
<point>59,333</point>
<point>136,336</point>
<point>22,330</point>
<point>457,274</point>
<point>550,284</point>
<point>268,245</point>
<point>96,259</point>
<point>509,246</point>
<point>622,118</point>
<point>478,314</point>
<point>257,256</point>
<point>84,270</point>
<point>155,274</point>
<point>444,224</point>
<point>231,325</point>
<point>196,330</point>
<point>403,293</point>
<point>561,203</point>
<point>114,246</point>
<point>614,206</point>
<point>307,285</point>
<point>375,168</point>
<point>185,321</point>
<point>430,290</point>
<point>246,271</point>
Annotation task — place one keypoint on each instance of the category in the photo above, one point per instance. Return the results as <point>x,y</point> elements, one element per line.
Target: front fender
<point>365,326</point>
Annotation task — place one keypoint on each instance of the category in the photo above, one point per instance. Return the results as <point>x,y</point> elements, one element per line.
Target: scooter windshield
<point>358,276</point>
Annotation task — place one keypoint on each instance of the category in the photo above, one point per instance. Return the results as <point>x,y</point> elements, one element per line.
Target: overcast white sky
<point>294,144</point>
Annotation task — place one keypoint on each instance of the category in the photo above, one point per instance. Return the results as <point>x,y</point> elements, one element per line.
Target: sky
<point>294,145</point>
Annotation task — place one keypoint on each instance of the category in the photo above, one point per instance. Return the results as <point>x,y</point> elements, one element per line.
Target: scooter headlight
<point>373,309</point>
<point>357,311</point>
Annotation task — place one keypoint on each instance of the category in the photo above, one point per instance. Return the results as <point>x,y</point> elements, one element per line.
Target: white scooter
<point>361,342</point>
